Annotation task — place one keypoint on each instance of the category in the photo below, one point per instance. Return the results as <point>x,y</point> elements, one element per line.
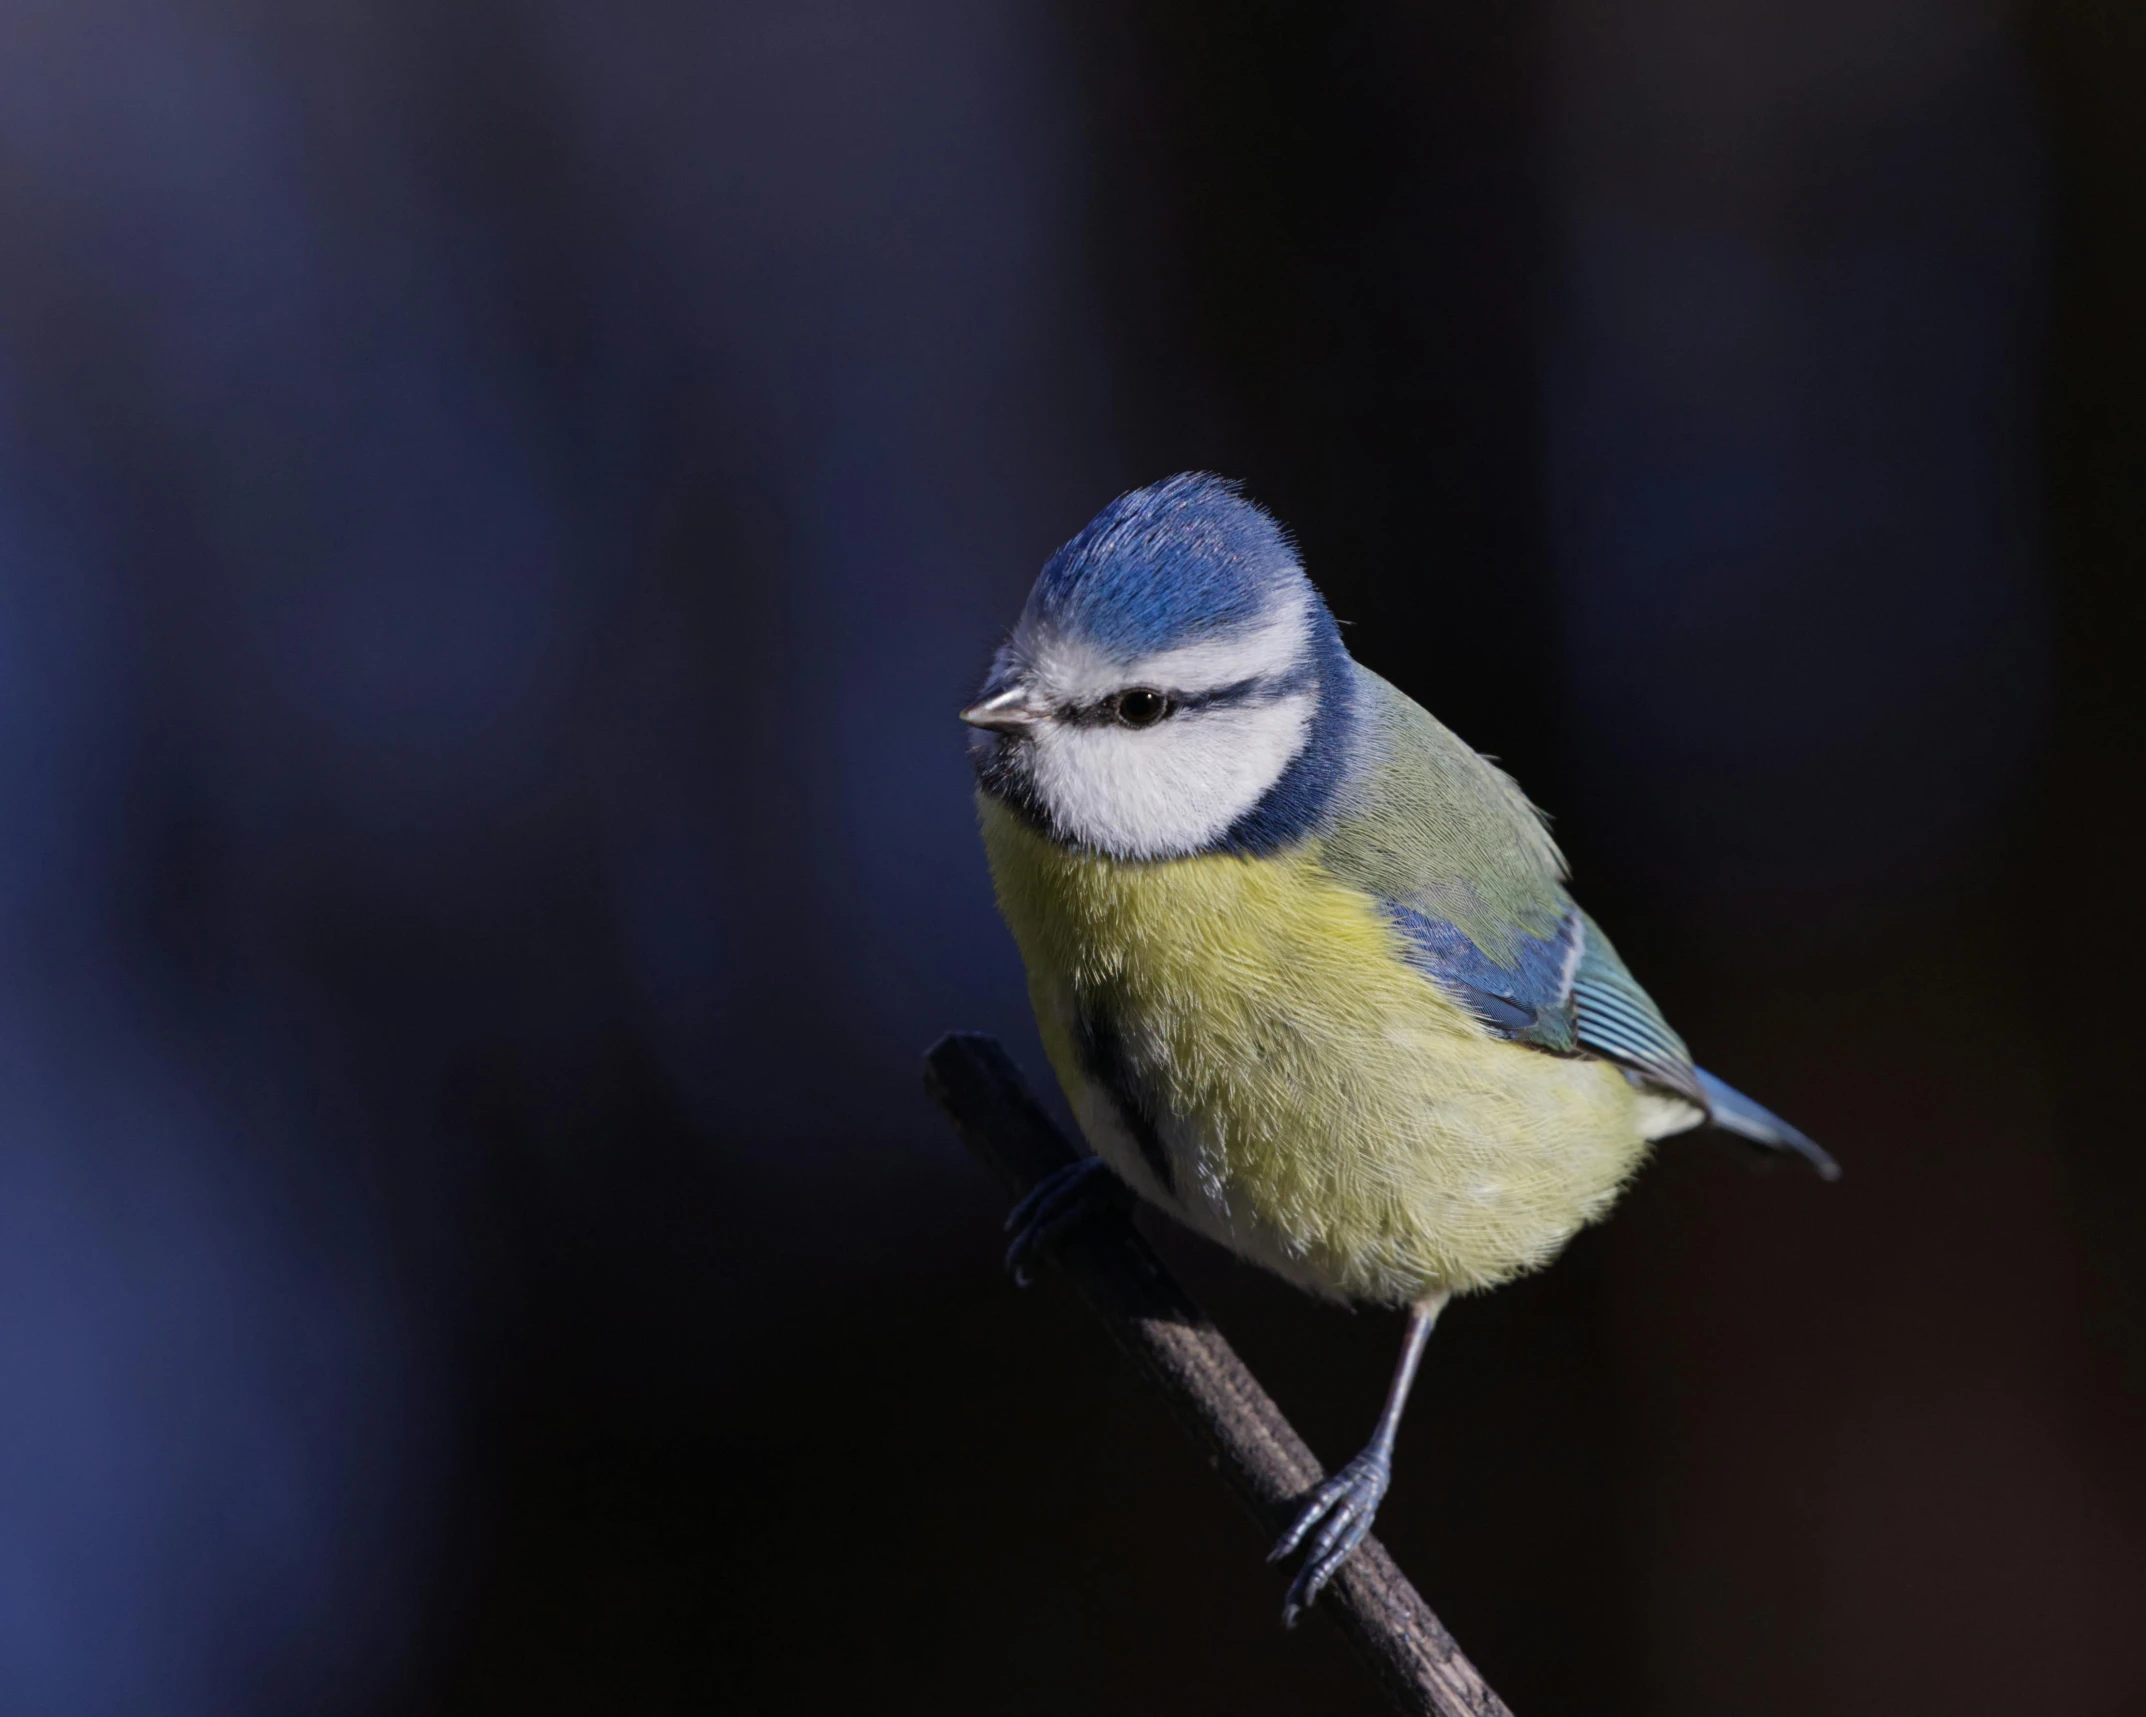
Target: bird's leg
<point>1343,1506</point>
<point>1055,1203</point>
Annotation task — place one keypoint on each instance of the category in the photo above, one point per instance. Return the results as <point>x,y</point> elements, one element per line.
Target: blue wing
<point>1566,992</point>
<point>1618,1020</point>
<point>1529,999</point>
<point>1569,993</point>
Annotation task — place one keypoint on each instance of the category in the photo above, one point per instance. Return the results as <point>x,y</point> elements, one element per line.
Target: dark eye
<point>1141,707</point>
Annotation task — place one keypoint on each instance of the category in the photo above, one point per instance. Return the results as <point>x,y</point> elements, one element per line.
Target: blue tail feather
<point>1733,1112</point>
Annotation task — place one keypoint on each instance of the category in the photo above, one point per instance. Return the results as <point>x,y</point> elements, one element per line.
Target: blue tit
<point>1304,962</point>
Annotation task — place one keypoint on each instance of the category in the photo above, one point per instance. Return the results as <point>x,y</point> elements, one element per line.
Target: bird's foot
<point>1341,1509</point>
<point>1057,1202</point>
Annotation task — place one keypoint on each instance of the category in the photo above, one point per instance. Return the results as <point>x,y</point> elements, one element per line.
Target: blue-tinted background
<point>499,501</point>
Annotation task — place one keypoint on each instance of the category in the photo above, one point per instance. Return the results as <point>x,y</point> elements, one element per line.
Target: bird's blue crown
<point>1162,566</point>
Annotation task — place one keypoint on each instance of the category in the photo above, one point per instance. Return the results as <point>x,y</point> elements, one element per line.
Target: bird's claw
<point>1055,1203</point>
<point>1341,1509</point>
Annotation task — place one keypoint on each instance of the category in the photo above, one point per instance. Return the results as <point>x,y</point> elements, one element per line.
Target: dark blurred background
<point>499,501</point>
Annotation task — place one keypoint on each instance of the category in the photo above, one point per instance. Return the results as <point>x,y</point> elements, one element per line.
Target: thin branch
<point>1259,1455</point>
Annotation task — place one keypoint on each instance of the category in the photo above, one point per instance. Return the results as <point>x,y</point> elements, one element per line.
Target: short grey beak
<point>1008,711</point>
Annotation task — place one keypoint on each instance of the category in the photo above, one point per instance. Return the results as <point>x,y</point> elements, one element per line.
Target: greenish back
<point>1436,828</point>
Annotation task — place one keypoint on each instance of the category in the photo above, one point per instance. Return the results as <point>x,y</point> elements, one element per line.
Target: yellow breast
<point>1327,1110</point>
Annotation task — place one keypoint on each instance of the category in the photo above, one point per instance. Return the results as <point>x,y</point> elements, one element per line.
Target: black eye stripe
<point>1243,691</point>
<point>1104,711</point>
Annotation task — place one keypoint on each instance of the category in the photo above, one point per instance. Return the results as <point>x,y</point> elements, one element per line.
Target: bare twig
<point>1260,1457</point>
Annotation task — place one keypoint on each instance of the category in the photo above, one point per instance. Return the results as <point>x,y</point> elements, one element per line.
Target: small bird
<point>1304,962</point>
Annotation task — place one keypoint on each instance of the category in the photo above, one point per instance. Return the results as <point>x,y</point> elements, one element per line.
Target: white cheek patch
<point>1167,790</point>
<point>1075,672</point>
